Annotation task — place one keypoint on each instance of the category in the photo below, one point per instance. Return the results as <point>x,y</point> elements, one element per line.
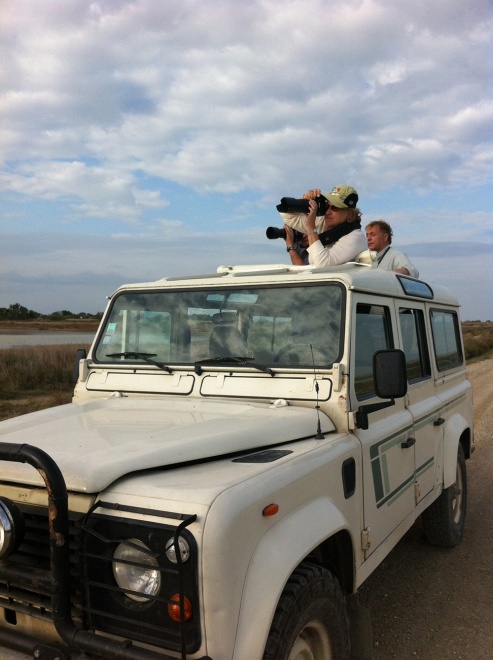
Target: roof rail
<point>262,269</point>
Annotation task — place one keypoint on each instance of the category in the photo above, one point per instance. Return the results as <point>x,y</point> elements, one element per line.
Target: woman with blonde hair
<point>333,238</point>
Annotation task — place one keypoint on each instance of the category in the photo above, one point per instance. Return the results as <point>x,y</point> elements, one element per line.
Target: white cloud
<point>113,110</point>
<point>102,192</point>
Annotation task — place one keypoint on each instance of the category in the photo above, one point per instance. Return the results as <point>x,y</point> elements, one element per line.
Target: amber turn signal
<point>270,510</point>
<point>174,610</point>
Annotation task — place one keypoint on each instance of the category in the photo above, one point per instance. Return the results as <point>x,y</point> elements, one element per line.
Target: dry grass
<point>36,368</point>
<point>35,377</point>
<point>478,339</point>
<point>34,402</point>
<point>68,325</point>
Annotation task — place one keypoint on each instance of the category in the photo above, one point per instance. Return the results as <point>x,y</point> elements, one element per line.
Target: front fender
<point>275,558</point>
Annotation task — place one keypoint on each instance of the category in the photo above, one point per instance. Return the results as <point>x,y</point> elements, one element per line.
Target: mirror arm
<point>363,412</point>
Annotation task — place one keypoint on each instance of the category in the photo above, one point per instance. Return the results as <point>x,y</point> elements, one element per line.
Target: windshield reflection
<point>280,327</point>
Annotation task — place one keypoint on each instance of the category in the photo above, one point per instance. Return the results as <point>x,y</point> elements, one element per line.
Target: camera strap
<point>333,235</point>
<point>382,255</point>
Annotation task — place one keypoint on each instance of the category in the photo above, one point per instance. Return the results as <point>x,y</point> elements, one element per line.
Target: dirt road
<point>435,603</point>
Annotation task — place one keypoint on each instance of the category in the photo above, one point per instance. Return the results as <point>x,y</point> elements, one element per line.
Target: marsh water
<point>11,340</point>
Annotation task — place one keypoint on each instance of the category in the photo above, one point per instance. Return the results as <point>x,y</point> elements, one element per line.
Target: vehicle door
<point>388,457</point>
<point>449,371</point>
<point>422,401</point>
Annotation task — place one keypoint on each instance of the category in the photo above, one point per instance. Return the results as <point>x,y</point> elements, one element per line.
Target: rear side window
<point>446,339</point>
<point>373,333</point>
<point>414,344</point>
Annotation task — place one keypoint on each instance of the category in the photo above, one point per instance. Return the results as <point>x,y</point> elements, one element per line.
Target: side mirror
<point>80,355</point>
<point>390,381</point>
<point>389,374</point>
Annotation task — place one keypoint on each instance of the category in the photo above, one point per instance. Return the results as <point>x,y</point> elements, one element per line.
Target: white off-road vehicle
<point>243,449</point>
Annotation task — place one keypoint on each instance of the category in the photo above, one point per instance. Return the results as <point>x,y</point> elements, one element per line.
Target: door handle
<point>439,421</point>
<point>408,443</point>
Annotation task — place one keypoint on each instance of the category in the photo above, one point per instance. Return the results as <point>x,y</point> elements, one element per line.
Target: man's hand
<point>289,236</point>
<point>296,259</point>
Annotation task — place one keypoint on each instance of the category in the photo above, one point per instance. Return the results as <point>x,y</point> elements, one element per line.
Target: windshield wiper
<point>231,359</point>
<point>147,357</point>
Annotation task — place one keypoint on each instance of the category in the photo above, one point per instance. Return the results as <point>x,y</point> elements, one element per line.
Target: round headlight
<point>11,527</point>
<point>184,549</point>
<point>136,571</point>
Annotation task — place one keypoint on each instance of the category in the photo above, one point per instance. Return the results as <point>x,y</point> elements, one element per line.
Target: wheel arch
<point>324,539</point>
<point>456,430</point>
<point>466,442</point>
<point>336,553</point>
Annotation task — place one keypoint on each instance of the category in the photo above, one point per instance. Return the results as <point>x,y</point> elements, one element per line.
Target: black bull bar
<point>57,580</point>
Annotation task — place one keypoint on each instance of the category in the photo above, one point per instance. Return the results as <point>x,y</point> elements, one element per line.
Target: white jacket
<point>340,252</point>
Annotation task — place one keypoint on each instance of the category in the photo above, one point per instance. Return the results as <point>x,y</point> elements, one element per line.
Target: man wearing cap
<point>379,237</point>
<point>334,238</point>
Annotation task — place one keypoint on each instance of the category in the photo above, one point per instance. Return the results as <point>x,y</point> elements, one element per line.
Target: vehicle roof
<point>356,277</point>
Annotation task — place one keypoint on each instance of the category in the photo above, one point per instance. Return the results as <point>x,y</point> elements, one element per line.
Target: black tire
<point>311,621</point>
<point>444,520</point>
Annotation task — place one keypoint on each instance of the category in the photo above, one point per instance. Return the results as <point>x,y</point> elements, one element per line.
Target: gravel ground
<point>437,603</point>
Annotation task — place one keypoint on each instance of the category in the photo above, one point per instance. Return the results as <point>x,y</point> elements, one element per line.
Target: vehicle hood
<point>97,442</point>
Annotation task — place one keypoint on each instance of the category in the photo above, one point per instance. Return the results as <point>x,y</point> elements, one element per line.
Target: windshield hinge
<point>337,376</point>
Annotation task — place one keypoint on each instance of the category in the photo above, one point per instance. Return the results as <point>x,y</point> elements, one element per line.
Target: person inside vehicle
<point>379,237</point>
<point>333,238</point>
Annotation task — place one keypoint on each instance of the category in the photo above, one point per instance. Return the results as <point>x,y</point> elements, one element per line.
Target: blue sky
<point>143,139</point>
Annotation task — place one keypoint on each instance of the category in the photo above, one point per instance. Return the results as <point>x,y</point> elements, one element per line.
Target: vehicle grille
<point>16,595</point>
<point>62,570</point>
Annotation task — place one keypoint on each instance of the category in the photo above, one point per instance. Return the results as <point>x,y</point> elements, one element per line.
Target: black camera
<point>292,205</point>
<point>280,232</point>
<point>275,232</point>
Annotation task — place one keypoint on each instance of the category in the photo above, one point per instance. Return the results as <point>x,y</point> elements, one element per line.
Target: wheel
<point>443,521</point>
<point>310,622</point>
<point>300,353</point>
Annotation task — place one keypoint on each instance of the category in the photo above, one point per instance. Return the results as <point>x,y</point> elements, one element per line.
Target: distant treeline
<point>18,312</point>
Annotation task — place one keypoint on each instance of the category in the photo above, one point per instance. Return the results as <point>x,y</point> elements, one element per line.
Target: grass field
<point>478,339</point>
<point>70,325</point>
<point>37,377</point>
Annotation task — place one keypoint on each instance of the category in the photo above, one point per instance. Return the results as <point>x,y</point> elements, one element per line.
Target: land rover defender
<point>243,449</point>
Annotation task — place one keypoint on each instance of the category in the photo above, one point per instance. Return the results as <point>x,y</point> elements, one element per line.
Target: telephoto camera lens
<point>280,232</point>
<point>275,232</point>
<point>293,205</point>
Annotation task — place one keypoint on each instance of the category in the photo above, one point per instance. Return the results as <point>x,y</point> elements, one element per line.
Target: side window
<point>373,333</point>
<point>446,339</point>
<point>414,342</point>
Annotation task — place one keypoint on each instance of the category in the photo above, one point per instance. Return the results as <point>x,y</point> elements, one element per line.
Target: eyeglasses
<point>334,208</point>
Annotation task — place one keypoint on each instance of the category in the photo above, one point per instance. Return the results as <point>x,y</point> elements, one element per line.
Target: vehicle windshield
<point>281,326</point>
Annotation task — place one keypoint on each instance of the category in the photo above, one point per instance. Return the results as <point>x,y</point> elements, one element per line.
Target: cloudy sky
<point>144,138</point>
